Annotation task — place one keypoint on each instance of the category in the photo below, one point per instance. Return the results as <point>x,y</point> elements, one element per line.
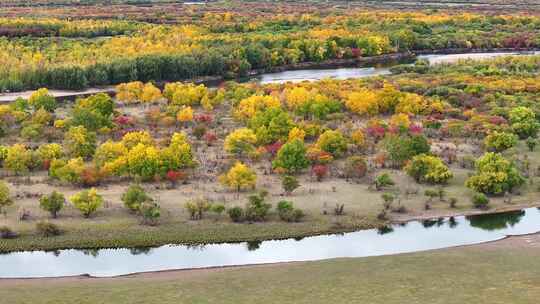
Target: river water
<point>399,238</point>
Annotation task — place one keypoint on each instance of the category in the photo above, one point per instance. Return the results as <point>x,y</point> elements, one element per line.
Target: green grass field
<point>489,273</point>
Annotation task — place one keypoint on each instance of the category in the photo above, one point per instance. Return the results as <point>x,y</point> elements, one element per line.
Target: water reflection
<point>496,221</point>
<point>391,239</point>
<point>253,245</point>
<point>385,229</point>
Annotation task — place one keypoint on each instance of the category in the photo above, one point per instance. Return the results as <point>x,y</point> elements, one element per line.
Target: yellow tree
<point>185,115</point>
<point>363,102</point>
<point>239,177</point>
<point>249,106</point>
<point>129,92</point>
<point>150,93</point>
<point>240,141</point>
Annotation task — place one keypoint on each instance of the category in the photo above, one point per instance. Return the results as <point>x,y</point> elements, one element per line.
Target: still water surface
<point>399,238</point>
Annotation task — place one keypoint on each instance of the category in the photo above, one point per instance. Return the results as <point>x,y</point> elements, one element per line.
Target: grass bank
<point>506,271</point>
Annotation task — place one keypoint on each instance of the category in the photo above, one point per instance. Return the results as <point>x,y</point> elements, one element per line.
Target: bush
<point>332,142</point>
<point>256,208</point>
<point>494,175</point>
<point>87,201</point>
<point>236,214</point>
<point>320,171</point>
<point>197,208</point>
<point>383,180</point>
<point>52,203</point>
<point>531,143</point>
<point>150,212</point>
<point>289,183</point>
<point>217,209</point>
<point>42,99</point>
<point>47,229</point>
<point>480,200</point>
<point>5,199</point>
<point>427,168</point>
<point>134,197</point>
<point>288,213</point>
<point>355,167</point>
<point>7,233</point>
<point>500,141</point>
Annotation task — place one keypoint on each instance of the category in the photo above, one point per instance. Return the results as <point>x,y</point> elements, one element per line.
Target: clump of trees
<point>495,175</point>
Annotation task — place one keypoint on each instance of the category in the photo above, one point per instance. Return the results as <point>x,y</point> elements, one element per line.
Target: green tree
<point>289,183</point>
<point>292,157</point>
<point>52,203</point>
<point>134,197</point>
<point>523,122</point>
<point>5,199</point>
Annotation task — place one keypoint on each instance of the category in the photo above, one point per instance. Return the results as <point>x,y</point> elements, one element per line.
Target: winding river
<point>399,238</point>
<point>299,75</point>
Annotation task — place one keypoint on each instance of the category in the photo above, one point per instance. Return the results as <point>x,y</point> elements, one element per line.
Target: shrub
<point>355,167</point>
<point>217,208</point>
<point>480,200</point>
<point>47,229</point>
<point>292,157</point>
<point>288,213</point>
<point>523,122</point>
<point>5,199</point>
<point>431,194</point>
<point>150,212</point>
<point>87,201</point>
<point>197,208</point>
<point>453,202</point>
<point>339,209</point>
<point>383,180</point>
<point>18,159</point>
<point>320,171</point>
<point>80,142</point>
<point>134,197</point>
<point>256,209</point>
<point>500,141</point>
<point>289,183</point>
<point>332,142</point>
<point>388,199</point>
<point>52,203</point>
<point>236,214</point>
<point>70,171</point>
<point>426,168</point>
<point>401,148</point>
<point>7,233</point>
<point>42,99</point>
<point>531,143</point>
<point>494,175</point>
<point>199,131</point>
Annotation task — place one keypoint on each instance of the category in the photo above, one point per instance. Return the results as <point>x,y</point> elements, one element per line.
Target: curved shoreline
<point>149,274</point>
<point>156,244</point>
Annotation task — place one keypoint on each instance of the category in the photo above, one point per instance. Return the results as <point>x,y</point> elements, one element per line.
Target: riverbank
<point>126,234</point>
<point>505,271</point>
<point>385,60</point>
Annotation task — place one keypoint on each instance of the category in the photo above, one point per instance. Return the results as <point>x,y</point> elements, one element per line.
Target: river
<point>298,75</point>
<point>399,238</point>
